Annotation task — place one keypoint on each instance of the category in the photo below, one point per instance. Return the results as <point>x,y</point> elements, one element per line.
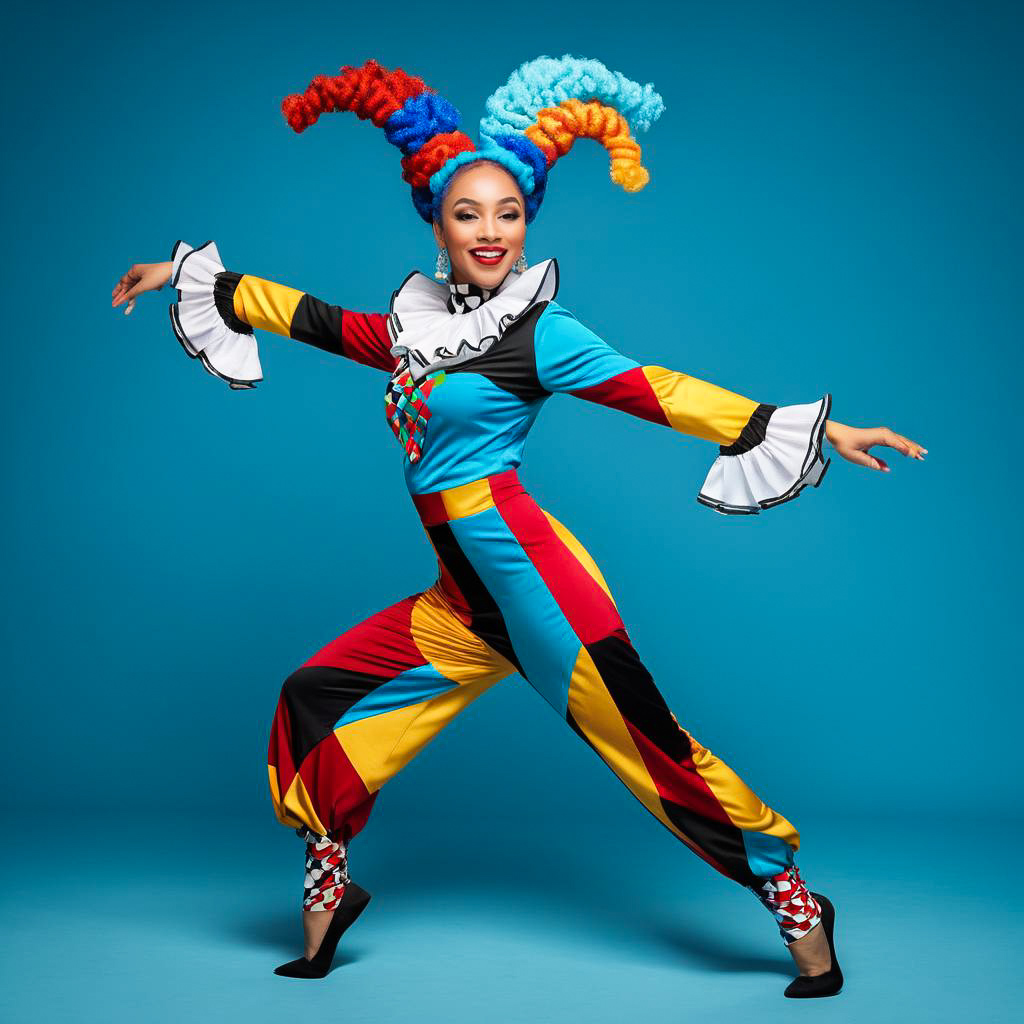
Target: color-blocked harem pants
<point>516,593</point>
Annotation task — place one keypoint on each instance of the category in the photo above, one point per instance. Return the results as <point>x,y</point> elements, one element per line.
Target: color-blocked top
<point>464,406</point>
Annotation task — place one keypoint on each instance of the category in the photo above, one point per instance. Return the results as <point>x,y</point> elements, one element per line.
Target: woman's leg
<point>574,649</point>
<point>354,715</point>
<point>616,708</point>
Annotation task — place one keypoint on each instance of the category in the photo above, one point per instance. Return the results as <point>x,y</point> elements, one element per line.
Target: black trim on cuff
<point>224,285</point>
<point>752,434</point>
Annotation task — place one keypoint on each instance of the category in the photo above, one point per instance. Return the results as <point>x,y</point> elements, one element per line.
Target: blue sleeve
<point>570,356</point>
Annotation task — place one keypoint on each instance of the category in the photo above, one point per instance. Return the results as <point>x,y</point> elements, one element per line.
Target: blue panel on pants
<point>411,687</point>
<point>541,636</point>
<point>766,855</point>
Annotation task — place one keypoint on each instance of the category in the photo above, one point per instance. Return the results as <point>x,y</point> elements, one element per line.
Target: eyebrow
<point>473,202</point>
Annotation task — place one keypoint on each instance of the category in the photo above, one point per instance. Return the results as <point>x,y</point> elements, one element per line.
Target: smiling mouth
<point>489,256</point>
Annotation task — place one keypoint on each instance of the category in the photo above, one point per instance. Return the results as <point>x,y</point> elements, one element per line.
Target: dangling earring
<point>520,264</point>
<point>444,267</point>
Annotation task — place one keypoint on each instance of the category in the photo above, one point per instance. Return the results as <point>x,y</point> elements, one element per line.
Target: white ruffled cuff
<point>786,459</point>
<point>225,346</point>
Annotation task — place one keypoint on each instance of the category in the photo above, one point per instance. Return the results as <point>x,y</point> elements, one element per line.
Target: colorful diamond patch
<point>407,409</point>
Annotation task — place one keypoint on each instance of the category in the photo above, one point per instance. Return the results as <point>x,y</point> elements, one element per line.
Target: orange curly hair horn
<point>557,128</point>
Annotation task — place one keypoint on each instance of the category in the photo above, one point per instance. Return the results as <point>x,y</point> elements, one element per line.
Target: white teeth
<point>488,253</point>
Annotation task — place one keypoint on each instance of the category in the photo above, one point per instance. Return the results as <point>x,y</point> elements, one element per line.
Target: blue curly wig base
<point>530,175</point>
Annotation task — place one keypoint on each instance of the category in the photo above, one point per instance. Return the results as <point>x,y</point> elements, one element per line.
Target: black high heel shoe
<point>353,903</point>
<point>828,984</point>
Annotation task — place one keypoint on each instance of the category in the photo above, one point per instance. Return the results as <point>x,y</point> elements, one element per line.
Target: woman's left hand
<point>853,444</point>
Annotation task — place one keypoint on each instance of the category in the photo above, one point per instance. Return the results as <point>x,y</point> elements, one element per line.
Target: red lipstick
<point>488,255</point>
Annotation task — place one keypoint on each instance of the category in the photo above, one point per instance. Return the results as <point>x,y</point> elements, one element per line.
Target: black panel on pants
<point>488,622</point>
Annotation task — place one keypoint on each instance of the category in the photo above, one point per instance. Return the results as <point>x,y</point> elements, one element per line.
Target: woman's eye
<point>511,215</point>
<point>463,216</point>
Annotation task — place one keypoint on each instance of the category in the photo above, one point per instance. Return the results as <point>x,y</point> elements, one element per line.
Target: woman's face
<point>483,224</point>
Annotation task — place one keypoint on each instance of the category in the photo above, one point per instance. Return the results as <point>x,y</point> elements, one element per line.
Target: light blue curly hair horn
<point>548,81</point>
<point>535,117</point>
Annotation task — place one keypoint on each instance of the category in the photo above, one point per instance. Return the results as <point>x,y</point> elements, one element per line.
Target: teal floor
<point>183,919</point>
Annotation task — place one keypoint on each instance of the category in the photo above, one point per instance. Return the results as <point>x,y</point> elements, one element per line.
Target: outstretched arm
<point>767,453</point>
<point>217,310</point>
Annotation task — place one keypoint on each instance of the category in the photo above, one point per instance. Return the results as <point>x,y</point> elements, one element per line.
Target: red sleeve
<point>365,338</point>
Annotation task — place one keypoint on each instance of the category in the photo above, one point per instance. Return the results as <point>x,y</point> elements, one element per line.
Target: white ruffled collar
<point>435,324</point>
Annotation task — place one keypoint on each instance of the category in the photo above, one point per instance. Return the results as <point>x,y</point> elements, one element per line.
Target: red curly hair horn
<point>370,92</point>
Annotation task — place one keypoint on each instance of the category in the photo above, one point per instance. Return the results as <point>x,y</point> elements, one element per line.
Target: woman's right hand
<point>142,277</point>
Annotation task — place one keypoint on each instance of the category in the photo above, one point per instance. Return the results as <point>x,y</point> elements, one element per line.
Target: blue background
<point>834,206</point>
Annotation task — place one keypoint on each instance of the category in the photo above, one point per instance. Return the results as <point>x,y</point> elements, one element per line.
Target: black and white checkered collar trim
<point>435,324</point>
<point>464,297</point>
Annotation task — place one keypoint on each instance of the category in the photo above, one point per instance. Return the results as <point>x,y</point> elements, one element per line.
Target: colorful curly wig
<point>546,105</point>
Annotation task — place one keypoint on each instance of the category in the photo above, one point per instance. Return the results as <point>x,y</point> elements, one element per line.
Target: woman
<point>470,360</point>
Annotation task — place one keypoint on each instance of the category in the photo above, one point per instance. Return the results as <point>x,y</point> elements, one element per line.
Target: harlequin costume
<point>467,372</point>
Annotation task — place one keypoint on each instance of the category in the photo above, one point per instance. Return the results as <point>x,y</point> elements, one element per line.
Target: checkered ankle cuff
<point>786,896</point>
